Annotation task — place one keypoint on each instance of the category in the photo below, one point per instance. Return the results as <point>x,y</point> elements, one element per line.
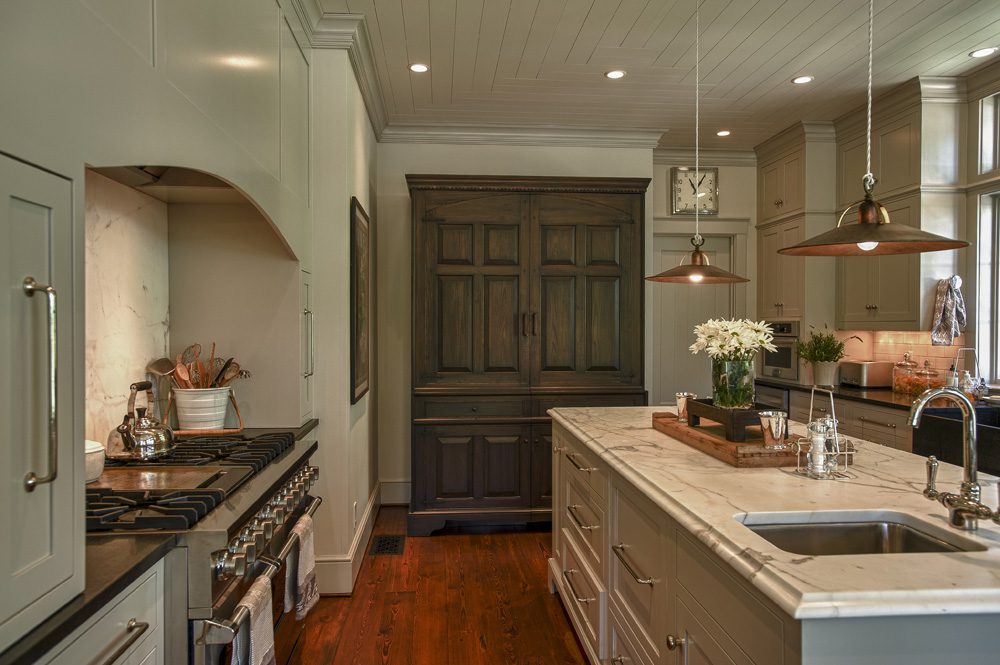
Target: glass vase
<point>732,384</point>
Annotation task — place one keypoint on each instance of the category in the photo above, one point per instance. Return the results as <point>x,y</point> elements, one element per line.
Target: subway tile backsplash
<point>892,345</point>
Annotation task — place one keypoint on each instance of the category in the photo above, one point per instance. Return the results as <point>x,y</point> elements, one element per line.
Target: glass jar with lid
<point>927,378</point>
<point>903,376</point>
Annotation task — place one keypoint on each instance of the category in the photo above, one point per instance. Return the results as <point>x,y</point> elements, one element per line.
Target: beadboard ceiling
<point>539,64</point>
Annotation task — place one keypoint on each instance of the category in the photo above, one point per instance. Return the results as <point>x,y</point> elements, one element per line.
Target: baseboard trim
<point>395,492</point>
<point>336,573</point>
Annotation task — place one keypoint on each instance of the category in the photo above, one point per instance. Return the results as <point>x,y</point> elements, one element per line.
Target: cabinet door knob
<point>674,642</point>
<point>875,307</point>
<point>619,660</point>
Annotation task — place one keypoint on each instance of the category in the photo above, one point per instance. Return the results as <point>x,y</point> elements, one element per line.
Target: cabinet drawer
<point>468,407</point>
<point>734,613</point>
<point>623,648</point>
<point>584,466</point>
<point>584,597</point>
<point>638,566</point>
<point>585,520</point>
<point>543,404</point>
<point>96,642</point>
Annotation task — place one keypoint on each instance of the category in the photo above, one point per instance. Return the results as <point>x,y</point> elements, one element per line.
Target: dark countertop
<point>876,396</point>
<point>112,564</point>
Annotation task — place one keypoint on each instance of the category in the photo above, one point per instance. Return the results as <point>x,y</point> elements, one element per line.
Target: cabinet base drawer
<point>584,598</point>
<point>623,647</point>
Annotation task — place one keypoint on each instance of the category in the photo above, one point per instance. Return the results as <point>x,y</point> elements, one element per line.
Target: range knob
<point>283,500</point>
<point>248,550</point>
<point>314,473</point>
<point>274,513</point>
<point>254,536</point>
<point>230,563</point>
<point>265,525</point>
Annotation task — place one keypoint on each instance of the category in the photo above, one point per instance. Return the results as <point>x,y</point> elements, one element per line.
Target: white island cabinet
<point>655,566</point>
<point>41,458</point>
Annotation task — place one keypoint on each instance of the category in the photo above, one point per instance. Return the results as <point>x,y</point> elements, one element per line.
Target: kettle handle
<point>135,388</point>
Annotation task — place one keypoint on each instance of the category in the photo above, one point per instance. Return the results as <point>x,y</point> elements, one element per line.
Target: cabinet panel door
<point>307,347</point>
<point>896,282</point>
<point>41,563</point>
<point>792,183</point>
<point>854,296</point>
<point>471,316</point>
<point>472,466</point>
<point>699,647</point>
<point>770,190</point>
<point>769,273</point>
<point>541,466</point>
<point>586,289</point>
<point>792,272</point>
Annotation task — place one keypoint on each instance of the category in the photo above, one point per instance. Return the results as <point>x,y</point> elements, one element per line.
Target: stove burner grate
<point>256,452</point>
<point>109,509</point>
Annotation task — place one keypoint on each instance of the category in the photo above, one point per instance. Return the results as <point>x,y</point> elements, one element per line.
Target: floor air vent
<point>387,545</point>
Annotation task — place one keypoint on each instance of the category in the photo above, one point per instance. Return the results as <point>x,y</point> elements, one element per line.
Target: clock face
<point>689,192</point>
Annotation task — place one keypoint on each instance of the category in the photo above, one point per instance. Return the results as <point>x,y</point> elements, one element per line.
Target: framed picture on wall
<point>360,301</point>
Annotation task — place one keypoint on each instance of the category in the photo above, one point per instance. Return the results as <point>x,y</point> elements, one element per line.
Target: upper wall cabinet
<point>895,158</point>
<point>781,186</point>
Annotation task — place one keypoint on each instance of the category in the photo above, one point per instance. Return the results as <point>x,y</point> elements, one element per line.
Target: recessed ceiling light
<point>615,74</point>
<point>799,80</point>
<point>722,132</point>
<point>419,67</point>
<point>983,52</point>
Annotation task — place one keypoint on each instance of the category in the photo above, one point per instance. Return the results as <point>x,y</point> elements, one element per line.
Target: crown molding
<point>942,89</point>
<point>514,135</point>
<point>507,183</point>
<point>685,156</point>
<point>347,32</point>
<point>984,81</point>
<point>793,137</point>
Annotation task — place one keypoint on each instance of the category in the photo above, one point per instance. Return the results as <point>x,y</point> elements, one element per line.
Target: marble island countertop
<point>709,498</point>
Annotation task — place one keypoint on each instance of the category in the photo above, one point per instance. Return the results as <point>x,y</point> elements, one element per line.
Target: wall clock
<point>688,192</point>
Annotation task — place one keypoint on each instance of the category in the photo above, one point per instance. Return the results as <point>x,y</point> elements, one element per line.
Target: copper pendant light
<point>873,234</point>
<point>698,271</point>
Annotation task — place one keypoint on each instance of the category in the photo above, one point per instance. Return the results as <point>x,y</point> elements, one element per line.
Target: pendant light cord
<point>697,117</point>
<point>869,178</point>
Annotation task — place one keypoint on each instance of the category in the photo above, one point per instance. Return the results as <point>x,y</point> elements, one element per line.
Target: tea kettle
<point>140,437</point>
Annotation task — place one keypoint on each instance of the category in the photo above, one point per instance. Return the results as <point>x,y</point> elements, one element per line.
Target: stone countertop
<point>876,396</point>
<point>708,497</point>
<point>112,563</point>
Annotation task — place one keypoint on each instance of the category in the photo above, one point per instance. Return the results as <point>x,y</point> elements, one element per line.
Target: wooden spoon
<point>221,373</point>
<point>231,373</point>
<point>181,376</point>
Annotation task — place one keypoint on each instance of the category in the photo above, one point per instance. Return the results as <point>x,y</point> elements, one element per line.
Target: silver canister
<point>774,425</point>
<point>682,405</point>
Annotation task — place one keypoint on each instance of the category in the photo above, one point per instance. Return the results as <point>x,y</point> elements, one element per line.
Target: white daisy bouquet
<point>732,339</point>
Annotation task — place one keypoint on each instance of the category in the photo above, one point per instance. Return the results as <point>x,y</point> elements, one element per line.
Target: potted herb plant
<point>823,351</point>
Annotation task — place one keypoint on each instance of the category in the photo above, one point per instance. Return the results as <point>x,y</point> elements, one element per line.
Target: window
<point>989,133</point>
<point>987,304</point>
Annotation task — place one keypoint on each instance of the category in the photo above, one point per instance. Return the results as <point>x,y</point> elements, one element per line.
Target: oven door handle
<point>224,632</point>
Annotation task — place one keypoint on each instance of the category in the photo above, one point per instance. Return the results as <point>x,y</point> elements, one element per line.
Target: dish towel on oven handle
<point>949,311</point>
<point>260,627</point>
<point>301,591</point>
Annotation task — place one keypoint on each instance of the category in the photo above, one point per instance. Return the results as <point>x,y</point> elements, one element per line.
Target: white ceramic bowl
<point>94,460</point>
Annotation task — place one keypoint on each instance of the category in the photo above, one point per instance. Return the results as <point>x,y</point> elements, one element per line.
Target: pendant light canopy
<point>873,234</point>
<point>698,271</point>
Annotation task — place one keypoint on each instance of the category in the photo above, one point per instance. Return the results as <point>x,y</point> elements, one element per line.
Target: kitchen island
<point>650,550</point>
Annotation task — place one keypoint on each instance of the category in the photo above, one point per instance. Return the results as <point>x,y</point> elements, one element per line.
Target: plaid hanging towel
<point>949,311</point>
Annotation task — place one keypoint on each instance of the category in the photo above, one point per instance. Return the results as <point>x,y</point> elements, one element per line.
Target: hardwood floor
<point>457,598</point>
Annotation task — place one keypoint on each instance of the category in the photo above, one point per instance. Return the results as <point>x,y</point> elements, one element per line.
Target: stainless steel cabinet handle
<point>311,346</point>
<point>576,518</point>
<point>32,480</point>
<point>619,551</point>
<point>673,642</point>
<point>559,449</point>
<point>134,629</point>
<point>586,469</point>
<point>572,589</point>
<point>875,422</point>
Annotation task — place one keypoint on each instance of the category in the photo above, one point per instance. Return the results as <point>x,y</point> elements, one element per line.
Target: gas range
<point>230,502</point>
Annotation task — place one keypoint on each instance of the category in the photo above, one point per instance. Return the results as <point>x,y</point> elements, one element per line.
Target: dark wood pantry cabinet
<point>527,295</point>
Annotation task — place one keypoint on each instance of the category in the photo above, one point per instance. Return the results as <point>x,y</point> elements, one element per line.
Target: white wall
<point>343,159</point>
<point>127,296</point>
<point>395,160</point>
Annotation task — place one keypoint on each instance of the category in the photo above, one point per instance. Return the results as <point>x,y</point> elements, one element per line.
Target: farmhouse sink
<point>829,533</point>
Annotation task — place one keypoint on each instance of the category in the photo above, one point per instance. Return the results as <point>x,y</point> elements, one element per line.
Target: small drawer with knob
<point>471,407</point>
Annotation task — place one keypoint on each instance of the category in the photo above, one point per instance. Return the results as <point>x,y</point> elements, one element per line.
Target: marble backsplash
<point>127,296</point>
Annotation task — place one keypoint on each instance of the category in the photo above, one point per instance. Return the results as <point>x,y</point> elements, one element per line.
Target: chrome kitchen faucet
<point>965,509</point>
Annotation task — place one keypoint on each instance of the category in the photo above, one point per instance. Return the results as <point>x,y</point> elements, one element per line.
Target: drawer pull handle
<point>572,589</point>
<point>134,629</point>
<point>875,422</point>
<point>586,469</point>
<point>619,660</point>
<point>576,518</point>
<point>619,551</point>
<point>674,642</point>
<point>559,449</point>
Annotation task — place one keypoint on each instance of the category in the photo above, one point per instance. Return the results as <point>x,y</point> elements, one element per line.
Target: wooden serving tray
<point>711,440</point>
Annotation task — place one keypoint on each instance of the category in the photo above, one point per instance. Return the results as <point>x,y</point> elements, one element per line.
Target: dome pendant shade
<point>698,271</point>
<point>873,235</point>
